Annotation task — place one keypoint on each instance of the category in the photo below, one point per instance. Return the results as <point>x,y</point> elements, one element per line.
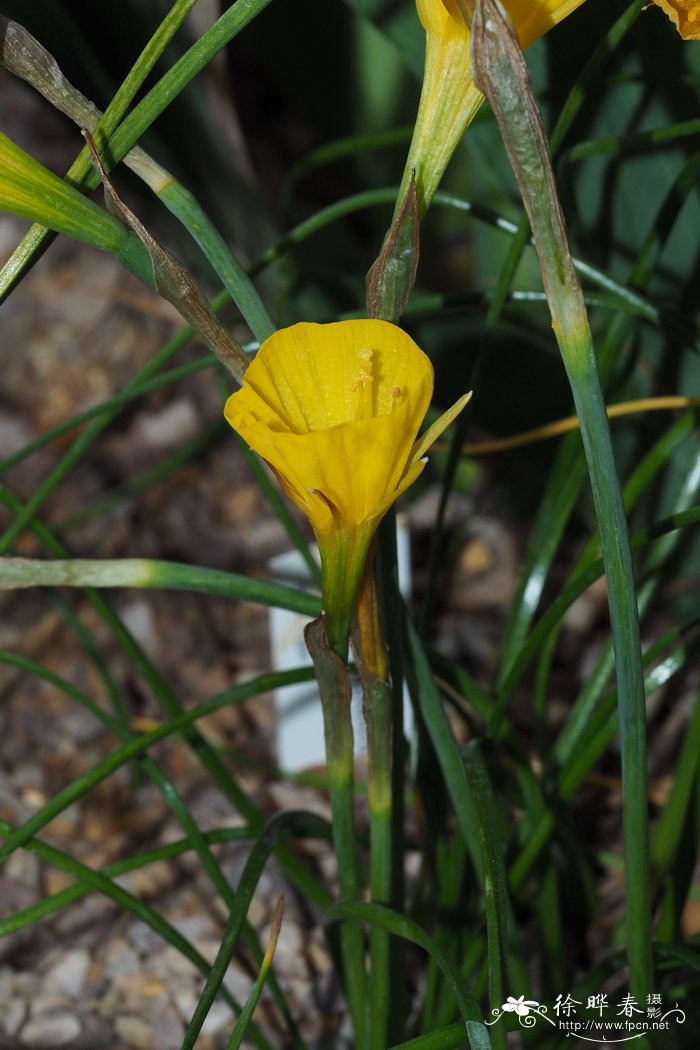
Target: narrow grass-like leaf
<point>41,909</point>
<point>120,139</point>
<point>219,773</point>
<point>173,281</point>
<point>401,926</point>
<point>579,584</point>
<point>254,867</point>
<point>30,190</point>
<point>428,699</point>
<point>501,72</point>
<point>495,881</point>
<point>251,1002</point>
<point>666,837</point>
<point>81,785</point>
<point>449,1038</point>
<point>600,730</point>
<point>633,143</point>
<point>89,879</point>
<point>151,574</point>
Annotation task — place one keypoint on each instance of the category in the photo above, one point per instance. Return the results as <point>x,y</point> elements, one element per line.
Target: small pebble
<point>69,973</point>
<point>12,1017</point>
<point>48,1031</point>
<point>135,1032</point>
<point>173,424</point>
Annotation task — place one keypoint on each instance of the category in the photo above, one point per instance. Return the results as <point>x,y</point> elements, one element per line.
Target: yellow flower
<point>685,15</point>
<point>450,98</point>
<point>335,410</point>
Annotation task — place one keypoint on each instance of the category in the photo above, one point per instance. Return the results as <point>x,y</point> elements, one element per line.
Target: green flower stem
<point>389,285</point>
<point>502,74</point>
<point>377,703</point>
<point>335,692</point>
<point>343,556</point>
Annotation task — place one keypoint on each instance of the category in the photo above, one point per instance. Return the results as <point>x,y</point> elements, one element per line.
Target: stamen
<point>360,379</point>
<point>394,394</point>
<point>362,382</point>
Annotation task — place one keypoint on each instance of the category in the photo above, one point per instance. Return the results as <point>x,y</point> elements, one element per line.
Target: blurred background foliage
<point>313,103</point>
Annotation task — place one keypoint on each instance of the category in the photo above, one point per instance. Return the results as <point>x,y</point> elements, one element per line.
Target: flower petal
<point>346,470</point>
<point>533,18</point>
<point>685,15</point>
<point>309,377</point>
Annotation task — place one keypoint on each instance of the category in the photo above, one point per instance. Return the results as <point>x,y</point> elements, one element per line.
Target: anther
<point>360,379</point>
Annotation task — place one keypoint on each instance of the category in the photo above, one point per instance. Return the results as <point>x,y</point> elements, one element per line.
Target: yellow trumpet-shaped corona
<point>335,410</point>
<point>450,98</point>
<point>685,15</point>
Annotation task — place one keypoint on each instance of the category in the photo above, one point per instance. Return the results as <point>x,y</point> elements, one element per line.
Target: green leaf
<point>152,574</point>
<point>29,189</point>
<point>402,926</point>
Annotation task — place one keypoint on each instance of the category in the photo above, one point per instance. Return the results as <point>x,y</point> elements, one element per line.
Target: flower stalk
<point>335,692</point>
<point>377,701</point>
<point>335,411</point>
<point>502,74</point>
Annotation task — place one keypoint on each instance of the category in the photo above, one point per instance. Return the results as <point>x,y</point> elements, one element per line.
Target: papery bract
<point>335,410</point>
<point>449,98</point>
